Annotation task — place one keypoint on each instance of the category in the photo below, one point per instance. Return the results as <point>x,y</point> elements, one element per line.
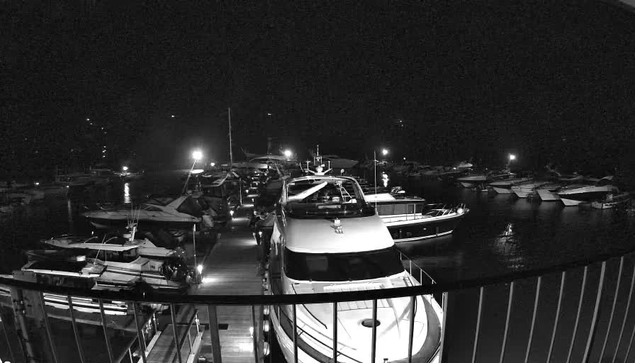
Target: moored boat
<point>574,195</point>
<point>410,218</point>
<point>176,213</point>
<point>612,201</point>
<point>328,238</point>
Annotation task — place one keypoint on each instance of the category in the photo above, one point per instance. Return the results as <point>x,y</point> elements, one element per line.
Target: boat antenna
<point>229,121</point>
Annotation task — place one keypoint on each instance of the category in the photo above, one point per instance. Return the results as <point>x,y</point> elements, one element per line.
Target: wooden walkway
<point>231,268</point>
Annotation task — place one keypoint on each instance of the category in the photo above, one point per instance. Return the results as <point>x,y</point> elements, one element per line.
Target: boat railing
<point>578,311</point>
<point>415,270</point>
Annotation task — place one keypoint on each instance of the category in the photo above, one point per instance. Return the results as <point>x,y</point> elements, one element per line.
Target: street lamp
<point>196,155</point>
<point>287,154</point>
<point>511,157</point>
<point>384,152</point>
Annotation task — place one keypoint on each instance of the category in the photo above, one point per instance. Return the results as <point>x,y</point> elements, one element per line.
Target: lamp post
<point>287,154</point>
<point>196,155</point>
<point>511,157</point>
<point>384,152</point>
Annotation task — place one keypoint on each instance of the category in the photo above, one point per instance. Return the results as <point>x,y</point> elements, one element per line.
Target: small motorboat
<point>612,201</point>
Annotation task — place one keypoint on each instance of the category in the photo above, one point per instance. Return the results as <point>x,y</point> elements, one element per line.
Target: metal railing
<point>599,324</point>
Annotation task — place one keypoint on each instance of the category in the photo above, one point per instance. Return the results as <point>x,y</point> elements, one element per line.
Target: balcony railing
<point>574,312</point>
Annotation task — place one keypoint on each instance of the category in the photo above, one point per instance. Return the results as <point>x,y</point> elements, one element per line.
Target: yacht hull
<point>410,231</point>
<point>501,190</point>
<point>307,353</point>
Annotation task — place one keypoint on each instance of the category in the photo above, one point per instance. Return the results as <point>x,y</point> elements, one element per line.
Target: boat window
<point>317,198</point>
<point>342,266</point>
<point>151,208</point>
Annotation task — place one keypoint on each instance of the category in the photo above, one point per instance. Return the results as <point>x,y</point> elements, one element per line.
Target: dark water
<point>500,234</point>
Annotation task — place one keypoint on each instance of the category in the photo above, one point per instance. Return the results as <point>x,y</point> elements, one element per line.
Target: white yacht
<point>327,239</point>
<point>411,218</point>
<point>179,213</point>
<point>524,190</point>
<point>575,195</point>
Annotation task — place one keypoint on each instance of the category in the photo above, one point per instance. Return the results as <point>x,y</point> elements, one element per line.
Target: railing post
<point>255,336</point>
<point>628,308</point>
<point>577,317</point>
<point>47,327</point>
<point>617,289</point>
<point>214,335</point>
<point>335,332</point>
<point>142,342</point>
<point>175,332</point>
<point>533,318</point>
<point>481,291</point>
<point>444,303</point>
<point>373,346</point>
<point>295,334</point>
<point>75,331</point>
<point>596,311</point>
<point>413,302</point>
<point>509,311</point>
<point>6,335</point>
<point>104,326</point>
<point>555,323</point>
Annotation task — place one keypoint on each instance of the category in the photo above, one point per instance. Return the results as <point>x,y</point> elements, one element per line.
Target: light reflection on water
<point>126,193</point>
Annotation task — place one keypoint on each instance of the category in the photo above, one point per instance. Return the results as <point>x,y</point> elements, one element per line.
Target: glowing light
<point>384,152</point>
<point>246,347</point>
<point>265,310</point>
<point>212,164</point>
<point>199,268</point>
<point>124,168</point>
<point>36,183</point>
<point>460,211</point>
<point>173,116</point>
<point>197,155</point>
<point>265,349</point>
<point>208,280</point>
<point>251,330</point>
<point>512,157</point>
<point>287,153</point>
<point>266,326</point>
<point>231,213</point>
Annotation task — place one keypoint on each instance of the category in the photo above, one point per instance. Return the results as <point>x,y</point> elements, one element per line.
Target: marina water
<point>501,234</point>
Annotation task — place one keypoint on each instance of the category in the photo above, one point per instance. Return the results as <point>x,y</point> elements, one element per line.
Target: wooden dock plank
<point>232,268</point>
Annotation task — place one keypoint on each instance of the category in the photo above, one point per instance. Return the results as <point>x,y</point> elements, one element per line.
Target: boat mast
<point>229,120</point>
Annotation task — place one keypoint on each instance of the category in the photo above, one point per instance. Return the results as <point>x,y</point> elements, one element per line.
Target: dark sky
<point>550,80</point>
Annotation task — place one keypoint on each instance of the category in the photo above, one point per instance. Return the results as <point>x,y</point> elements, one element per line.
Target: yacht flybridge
<point>328,238</point>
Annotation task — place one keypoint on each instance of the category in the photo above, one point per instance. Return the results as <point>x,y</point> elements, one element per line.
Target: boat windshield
<point>342,266</point>
<point>319,198</point>
<point>191,207</point>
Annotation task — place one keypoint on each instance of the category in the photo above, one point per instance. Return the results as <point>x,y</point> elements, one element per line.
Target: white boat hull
<point>571,202</point>
<point>500,190</point>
